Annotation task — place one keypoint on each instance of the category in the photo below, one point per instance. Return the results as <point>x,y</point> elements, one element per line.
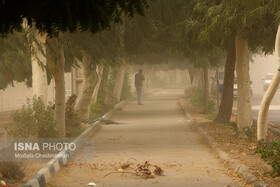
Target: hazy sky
<point>259,67</point>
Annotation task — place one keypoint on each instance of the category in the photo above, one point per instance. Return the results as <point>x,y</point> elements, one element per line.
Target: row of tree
<point>203,33</point>
<point>47,57</point>
<point>237,29</point>
<point>181,34</point>
<point>52,51</point>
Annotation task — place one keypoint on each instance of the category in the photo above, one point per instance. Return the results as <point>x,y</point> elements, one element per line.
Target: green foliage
<point>72,124</point>
<point>253,20</point>
<point>106,89</point>
<point>105,101</point>
<point>270,152</point>
<point>212,115</point>
<point>103,47</point>
<point>197,100</point>
<point>188,91</point>
<point>98,109</point>
<point>73,130</point>
<point>56,16</point>
<point>200,47</point>
<point>15,60</point>
<point>249,132</point>
<point>126,89</point>
<point>34,120</point>
<point>161,40</point>
<point>246,132</point>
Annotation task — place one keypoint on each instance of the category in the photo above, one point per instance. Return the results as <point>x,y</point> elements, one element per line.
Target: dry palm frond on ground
<point>143,170</point>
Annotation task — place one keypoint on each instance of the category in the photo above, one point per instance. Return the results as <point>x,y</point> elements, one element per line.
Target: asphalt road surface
<point>274,110</point>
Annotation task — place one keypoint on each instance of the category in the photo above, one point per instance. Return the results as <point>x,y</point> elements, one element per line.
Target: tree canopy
<point>15,60</point>
<point>52,16</point>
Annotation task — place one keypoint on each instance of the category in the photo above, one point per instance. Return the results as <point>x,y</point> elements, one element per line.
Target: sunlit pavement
<point>156,132</point>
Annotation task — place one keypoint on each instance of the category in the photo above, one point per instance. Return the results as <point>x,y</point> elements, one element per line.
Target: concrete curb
<point>274,130</point>
<point>234,164</point>
<point>53,166</point>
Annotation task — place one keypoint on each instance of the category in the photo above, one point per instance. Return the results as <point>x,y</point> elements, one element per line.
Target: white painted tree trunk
<point>107,95</point>
<point>119,82</point>
<point>186,79</point>
<point>96,89</point>
<point>197,80</point>
<point>205,86</point>
<point>269,94</point>
<point>244,100</point>
<point>99,74</point>
<point>56,63</point>
<point>39,60</point>
<point>89,83</point>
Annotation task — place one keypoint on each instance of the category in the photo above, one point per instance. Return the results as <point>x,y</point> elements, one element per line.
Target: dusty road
<point>156,132</point>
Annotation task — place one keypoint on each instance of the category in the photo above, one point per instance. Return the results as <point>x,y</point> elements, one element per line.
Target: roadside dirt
<point>240,147</point>
<point>30,169</point>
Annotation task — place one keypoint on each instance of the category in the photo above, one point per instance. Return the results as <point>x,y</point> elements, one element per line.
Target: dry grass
<point>12,170</point>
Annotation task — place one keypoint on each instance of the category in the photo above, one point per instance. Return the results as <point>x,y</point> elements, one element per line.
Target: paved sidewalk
<point>156,132</point>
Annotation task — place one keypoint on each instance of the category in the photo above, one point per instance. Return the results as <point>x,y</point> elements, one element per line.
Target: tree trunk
<point>39,60</point>
<point>192,71</point>
<point>99,74</point>
<point>119,82</point>
<point>218,86</point>
<point>244,100</point>
<point>96,89</point>
<point>89,83</point>
<point>103,90</point>
<point>225,108</point>
<point>185,79</point>
<point>269,94</point>
<point>56,63</point>
<point>197,80</point>
<point>206,86</point>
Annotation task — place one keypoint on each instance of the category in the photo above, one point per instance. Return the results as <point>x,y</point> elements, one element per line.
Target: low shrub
<point>73,130</point>
<point>34,120</point>
<point>105,100</point>
<point>12,170</point>
<point>270,152</point>
<point>97,109</point>
<point>250,132</point>
<point>197,100</point>
<point>72,124</point>
<point>245,132</point>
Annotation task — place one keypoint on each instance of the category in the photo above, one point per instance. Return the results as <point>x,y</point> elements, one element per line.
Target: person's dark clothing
<point>139,78</point>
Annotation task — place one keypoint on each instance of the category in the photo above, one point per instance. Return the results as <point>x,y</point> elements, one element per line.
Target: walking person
<point>139,78</point>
